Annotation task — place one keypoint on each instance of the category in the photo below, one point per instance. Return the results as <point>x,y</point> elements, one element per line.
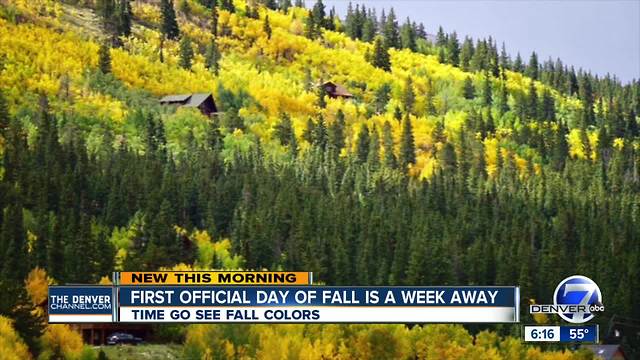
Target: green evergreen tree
<point>362,146</point>
<point>408,36</point>
<point>453,49</point>
<point>387,145</point>
<point>284,129</point>
<point>336,134</point>
<point>407,144</point>
<point>227,5</point>
<point>409,96</point>
<point>214,19</point>
<point>532,103</point>
<point>104,59</point>
<point>441,37</point>
<point>466,53</point>
<point>381,58</point>
<point>382,97</point>
<point>266,27</point>
<point>124,15</point>
<point>285,5</point>
<point>468,90</point>
<point>311,30</point>
<point>169,26</point>
<point>533,69</point>
<point>391,32</point>
<point>212,57</point>
<point>373,159</point>
<point>186,53</point>
<point>106,9</point>
<point>15,264</point>
<point>518,65</point>
<point>4,115</point>
<point>487,97</point>
<point>309,130</point>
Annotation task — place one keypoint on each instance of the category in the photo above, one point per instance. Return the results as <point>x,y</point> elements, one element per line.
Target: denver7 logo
<point>578,290</point>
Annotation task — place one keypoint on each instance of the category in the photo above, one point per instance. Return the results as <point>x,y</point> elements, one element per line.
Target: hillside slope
<point>444,168</point>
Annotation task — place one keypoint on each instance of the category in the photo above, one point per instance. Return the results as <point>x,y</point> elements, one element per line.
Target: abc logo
<point>582,291</point>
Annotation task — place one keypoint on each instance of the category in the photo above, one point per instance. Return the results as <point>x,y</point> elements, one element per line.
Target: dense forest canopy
<point>454,163</point>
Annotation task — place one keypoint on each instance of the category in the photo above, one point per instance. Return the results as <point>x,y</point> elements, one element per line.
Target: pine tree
<point>532,104</point>
<point>533,68</point>
<point>362,146</point>
<point>4,116</point>
<point>104,59</point>
<point>311,31</point>
<point>266,27</point>
<point>381,58</point>
<point>322,94</point>
<point>387,145</point>
<point>505,61</point>
<point>518,65</point>
<point>391,32</point>
<point>382,97</point>
<point>429,97</point>
<point>107,11</point>
<point>503,98</point>
<point>336,134</point>
<point>548,109</point>
<point>319,14</point>
<point>441,38</point>
<point>466,53</point>
<point>487,97</point>
<point>560,148</point>
<point>15,264</point>
<point>284,129</point>
<point>468,90</point>
<point>186,53</point>
<point>169,27</point>
<point>285,5</point>
<point>453,49</point>
<point>397,113</point>
<point>370,27</point>
<point>228,6</point>
<point>212,57</point>
<point>309,131</point>
<point>442,57</point>
<point>320,134</point>
<point>293,146</point>
<point>408,36</point>
<point>409,96</point>
<point>407,144</point>
<point>214,19</point>
<point>124,15</point>
<point>55,253</point>
<point>373,159</point>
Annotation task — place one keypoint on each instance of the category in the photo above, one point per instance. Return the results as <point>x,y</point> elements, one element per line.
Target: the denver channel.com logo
<point>576,300</point>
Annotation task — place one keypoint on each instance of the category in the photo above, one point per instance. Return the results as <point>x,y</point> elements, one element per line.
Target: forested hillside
<point>454,162</point>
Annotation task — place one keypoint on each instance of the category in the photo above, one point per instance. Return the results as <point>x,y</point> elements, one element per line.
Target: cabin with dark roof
<point>203,101</point>
<point>336,91</point>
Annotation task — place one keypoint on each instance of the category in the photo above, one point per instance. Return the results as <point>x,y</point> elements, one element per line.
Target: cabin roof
<point>175,98</point>
<point>197,99</point>
<point>338,90</point>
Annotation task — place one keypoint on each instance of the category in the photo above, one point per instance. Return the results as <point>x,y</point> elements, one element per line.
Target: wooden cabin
<point>336,91</point>
<point>203,101</point>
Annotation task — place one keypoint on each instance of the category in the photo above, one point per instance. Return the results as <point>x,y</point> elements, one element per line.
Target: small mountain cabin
<point>336,91</point>
<point>202,101</point>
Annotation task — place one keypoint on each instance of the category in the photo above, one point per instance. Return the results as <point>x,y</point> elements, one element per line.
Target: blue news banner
<point>290,304</point>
